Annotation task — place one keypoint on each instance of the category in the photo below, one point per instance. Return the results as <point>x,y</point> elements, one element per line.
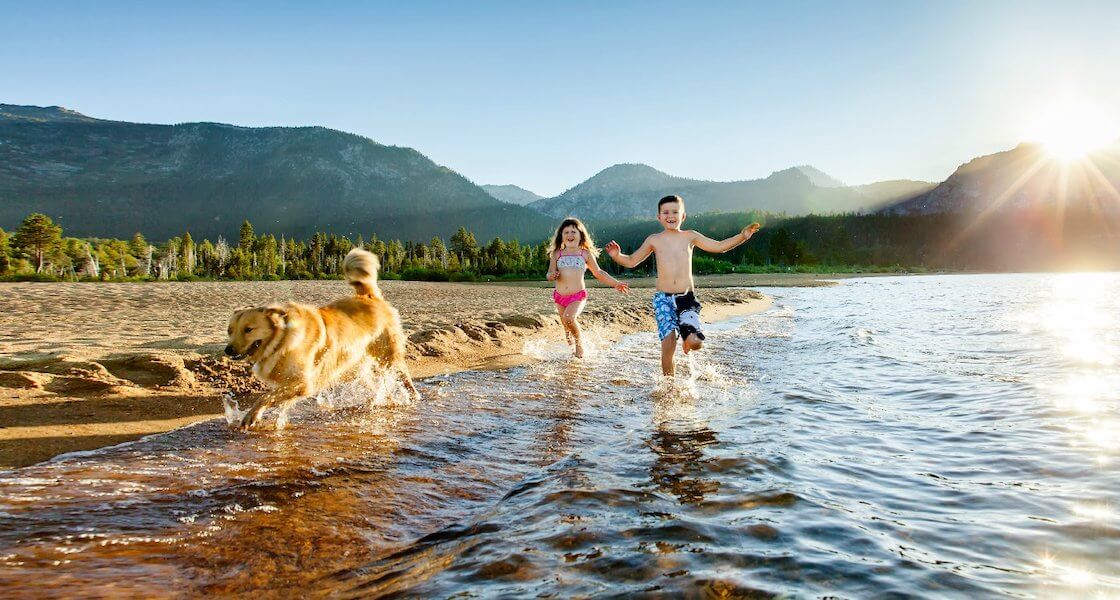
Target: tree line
<point>37,249</point>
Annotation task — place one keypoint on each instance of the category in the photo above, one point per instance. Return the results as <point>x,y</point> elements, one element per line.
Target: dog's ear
<point>277,315</point>
<point>241,311</point>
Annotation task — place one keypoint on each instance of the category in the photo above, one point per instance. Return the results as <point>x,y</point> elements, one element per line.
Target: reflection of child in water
<point>571,254</point>
<point>674,304</point>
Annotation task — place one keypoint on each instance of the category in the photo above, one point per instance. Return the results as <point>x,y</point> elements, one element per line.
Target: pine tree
<point>438,251</point>
<point>464,244</point>
<point>187,252</point>
<point>247,237</point>
<point>139,249</point>
<point>38,235</point>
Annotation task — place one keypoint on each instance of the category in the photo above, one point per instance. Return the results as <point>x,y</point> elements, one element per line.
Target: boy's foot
<point>692,342</point>
<point>579,350</point>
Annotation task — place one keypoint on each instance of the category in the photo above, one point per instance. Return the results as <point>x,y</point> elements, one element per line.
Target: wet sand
<point>85,365</point>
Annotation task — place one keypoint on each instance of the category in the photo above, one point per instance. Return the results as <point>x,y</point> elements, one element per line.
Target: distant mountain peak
<point>631,169</point>
<point>628,174</point>
<point>819,178</point>
<point>16,112</point>
<point>511,193</point>
<point>792,175</point>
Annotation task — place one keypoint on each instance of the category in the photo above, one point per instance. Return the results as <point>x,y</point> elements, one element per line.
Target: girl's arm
<point>552,272</point>
<point>602,275</point>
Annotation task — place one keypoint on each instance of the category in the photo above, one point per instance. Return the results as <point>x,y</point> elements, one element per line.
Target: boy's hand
<point>612,248</point>
<point>622,288</point>
<point>749,230</point>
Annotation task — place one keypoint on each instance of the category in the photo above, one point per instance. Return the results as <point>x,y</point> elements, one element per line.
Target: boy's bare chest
<point>672,248</point>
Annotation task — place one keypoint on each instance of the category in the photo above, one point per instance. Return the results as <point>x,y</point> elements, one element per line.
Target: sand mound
<point>27,380</point>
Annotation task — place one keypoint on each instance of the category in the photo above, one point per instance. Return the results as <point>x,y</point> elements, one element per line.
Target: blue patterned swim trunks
<point>677,312</point>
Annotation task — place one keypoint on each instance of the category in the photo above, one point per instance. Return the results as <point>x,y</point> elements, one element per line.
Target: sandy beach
<point>84,365</point>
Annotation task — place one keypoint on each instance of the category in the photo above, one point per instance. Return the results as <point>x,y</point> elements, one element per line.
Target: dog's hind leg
<point>396,359</point>
<point>389,350</point>
<point>406,379</point>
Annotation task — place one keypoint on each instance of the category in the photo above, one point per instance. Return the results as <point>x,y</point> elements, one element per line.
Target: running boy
<point>674,304</point>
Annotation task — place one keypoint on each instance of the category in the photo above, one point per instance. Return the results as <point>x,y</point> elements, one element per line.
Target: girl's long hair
<point>584,237</point>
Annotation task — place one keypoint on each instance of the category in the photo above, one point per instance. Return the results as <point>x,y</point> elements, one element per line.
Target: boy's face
<point>671,216</point>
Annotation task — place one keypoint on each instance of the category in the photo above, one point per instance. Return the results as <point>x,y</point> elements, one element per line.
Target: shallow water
<point>927,436</point>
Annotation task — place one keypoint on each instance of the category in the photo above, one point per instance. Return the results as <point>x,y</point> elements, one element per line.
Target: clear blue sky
<point>544,95</point>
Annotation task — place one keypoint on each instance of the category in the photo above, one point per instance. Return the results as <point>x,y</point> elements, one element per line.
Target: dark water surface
<point>922,436</point>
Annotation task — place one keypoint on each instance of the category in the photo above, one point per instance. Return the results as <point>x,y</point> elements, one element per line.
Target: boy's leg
<point>692,342</point>
<point>668,348</point>
<point>665,312</point>
<point>570,318</point>
<point>688,317</point>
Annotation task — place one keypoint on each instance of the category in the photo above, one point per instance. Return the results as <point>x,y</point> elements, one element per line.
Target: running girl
<point>572,252</point>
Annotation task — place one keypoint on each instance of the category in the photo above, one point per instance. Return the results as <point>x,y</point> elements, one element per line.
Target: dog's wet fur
<point>298,349</point>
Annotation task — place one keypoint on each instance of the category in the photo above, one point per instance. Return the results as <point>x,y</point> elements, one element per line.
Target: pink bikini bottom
<point>564,301</point>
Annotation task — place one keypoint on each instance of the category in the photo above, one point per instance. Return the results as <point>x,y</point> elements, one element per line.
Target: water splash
<point>231,410</point>
<point>370,387</point>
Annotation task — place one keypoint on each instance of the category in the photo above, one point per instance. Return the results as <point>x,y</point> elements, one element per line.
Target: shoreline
<point>107,384</point>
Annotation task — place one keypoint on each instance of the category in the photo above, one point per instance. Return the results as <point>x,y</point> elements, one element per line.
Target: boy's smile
<point>671,216</point>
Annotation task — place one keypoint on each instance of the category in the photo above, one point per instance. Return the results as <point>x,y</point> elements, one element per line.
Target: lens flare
<point>1072,128</point>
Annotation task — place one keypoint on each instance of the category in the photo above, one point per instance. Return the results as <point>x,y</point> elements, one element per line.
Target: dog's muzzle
<point>230,352</point>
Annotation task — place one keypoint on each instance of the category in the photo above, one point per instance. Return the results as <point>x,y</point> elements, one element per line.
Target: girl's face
<point>570,235</point>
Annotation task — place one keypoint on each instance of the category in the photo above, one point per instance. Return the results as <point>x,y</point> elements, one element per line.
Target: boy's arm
<point>632,260</point>
<point>552,272</point>
<point>707,244</point>
<point>603,276</point>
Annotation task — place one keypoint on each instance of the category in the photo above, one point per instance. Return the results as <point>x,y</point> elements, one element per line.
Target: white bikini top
<point>571,261</point>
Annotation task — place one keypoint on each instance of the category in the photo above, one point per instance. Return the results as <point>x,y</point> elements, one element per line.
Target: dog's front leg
<point>253,415</point>
<point>286,394</point>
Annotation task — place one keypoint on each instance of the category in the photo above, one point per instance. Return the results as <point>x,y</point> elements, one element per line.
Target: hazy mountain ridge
<point>114,178</point>
<point>1024,177</point>
<point>512,194</point>
<point>631,190</point>
<point>819,178</point>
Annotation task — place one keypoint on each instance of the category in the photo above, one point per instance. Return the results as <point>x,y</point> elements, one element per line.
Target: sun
<point>1072,128</point>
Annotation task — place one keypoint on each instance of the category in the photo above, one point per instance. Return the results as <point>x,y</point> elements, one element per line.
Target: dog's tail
<point>360,269</point>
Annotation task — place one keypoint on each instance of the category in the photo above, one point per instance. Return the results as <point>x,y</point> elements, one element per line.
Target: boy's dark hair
<point>668,199</point>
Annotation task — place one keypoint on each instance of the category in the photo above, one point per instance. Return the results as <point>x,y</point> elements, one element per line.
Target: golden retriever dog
<point>299,350</point>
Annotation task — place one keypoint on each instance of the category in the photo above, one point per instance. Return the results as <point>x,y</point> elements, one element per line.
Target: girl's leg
<point>564,322</point>
<point>571,313</point>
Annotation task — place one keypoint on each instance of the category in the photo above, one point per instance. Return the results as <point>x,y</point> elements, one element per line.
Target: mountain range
<point>112,178</point>
<point>631,191</point>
